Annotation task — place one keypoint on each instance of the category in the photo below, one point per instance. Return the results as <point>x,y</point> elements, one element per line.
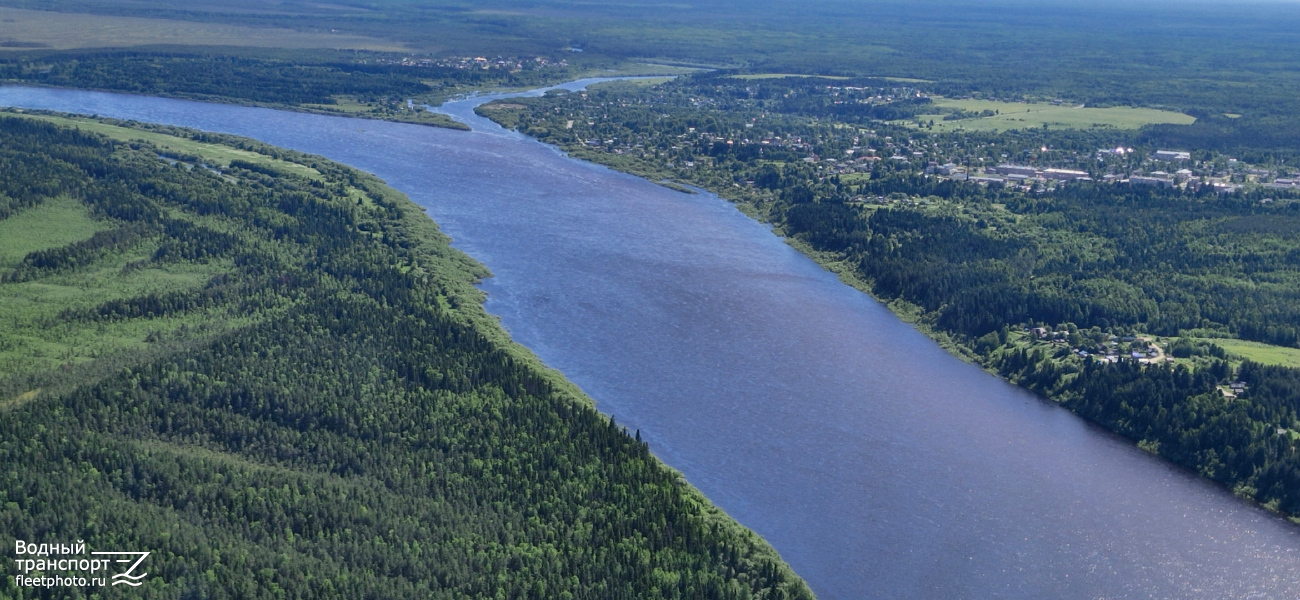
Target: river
<point>876,463</point>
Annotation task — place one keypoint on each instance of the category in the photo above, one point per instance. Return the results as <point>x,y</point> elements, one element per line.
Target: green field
<point>640,69</point>
<point>752,76</point>
<point>56,223</point>
<point>614,85</point>
<point>1026,115</point>
<point>784,76</point>
<point>1261,353</point>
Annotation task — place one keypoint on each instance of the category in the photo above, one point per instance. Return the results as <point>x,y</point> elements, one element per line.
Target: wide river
<point>877,464</point>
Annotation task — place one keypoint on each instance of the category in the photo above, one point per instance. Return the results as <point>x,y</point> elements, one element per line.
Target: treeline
<point>215,76</point>
<point>1089,255</point>
<point>1178,413</point>
<point>1258,137</point>
<point>366,435</point>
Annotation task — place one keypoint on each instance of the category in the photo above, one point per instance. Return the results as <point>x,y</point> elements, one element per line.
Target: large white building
<point>1064,174</point>
<point>1172,155</point>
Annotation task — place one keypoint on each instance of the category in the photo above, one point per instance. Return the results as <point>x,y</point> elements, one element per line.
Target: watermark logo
<point>69,565</point>
<point>126,576</point>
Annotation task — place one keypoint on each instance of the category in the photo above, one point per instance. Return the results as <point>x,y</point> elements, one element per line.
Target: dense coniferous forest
<point>284,385</point>
<point>1062,289</point>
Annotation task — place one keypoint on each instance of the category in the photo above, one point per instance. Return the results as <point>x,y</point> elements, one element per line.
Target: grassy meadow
<point>1267,354</point>
<point>765,76</point>
<point>1028,115</point>
<point>761,76</point>
<point>58,222</point>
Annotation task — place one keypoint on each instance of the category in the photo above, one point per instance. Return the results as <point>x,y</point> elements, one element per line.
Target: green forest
<point>273,373</point>
<point>1103,295</point>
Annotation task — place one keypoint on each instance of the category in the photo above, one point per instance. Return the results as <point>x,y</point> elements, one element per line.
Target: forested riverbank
<point>1063,290</point>
<point>273,373</point>
<point>371,85</point>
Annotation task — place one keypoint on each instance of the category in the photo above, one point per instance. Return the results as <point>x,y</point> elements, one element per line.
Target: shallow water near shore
<point>876,463</point>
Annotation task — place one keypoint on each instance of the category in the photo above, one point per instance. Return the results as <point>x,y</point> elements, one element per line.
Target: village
<point>1109,348</point>
<point>1229,179</point>
<point>1101,346</point>
<point>500,63</point>
<point>860,151</point>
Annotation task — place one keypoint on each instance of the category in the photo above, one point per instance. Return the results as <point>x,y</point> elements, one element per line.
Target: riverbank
<point>345,109</point>
<point>1051,370</point>
<point>448,413</point>
<point>760,211</point>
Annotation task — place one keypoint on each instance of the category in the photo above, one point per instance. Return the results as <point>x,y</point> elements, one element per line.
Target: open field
<point>1261,353</point>
<point>1026,115</point>
<point>650,68</point>
<point>27,29</point>
<point>613,85</point>
<point>751,76</point>
<point>783,76</point>
<point>56,223</point>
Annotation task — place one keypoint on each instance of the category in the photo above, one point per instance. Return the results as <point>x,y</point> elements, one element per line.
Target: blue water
<point>877,464</point>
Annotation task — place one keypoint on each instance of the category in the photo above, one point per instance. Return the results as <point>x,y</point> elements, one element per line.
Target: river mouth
<point>877,464</point>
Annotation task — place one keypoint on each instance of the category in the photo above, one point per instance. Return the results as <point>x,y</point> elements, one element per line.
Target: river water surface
<point>877,464</point>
